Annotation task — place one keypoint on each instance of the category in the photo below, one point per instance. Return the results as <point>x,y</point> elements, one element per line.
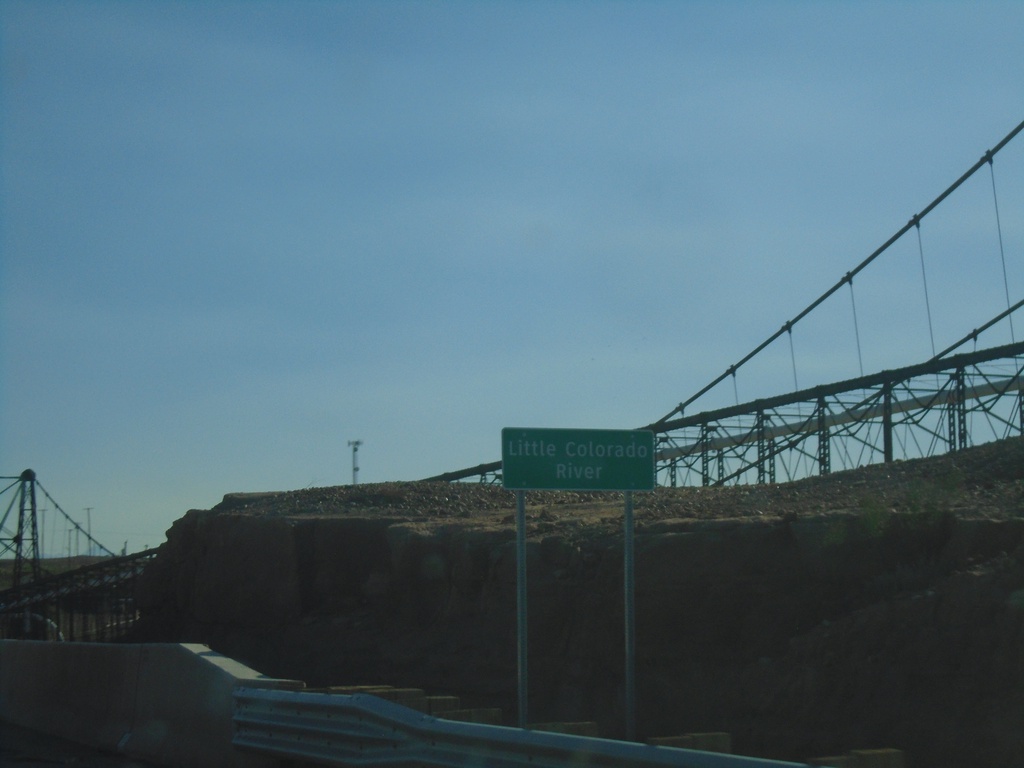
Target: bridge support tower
<point>24,540</point>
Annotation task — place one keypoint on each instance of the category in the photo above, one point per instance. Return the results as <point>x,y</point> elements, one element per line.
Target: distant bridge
<point>94,602</point>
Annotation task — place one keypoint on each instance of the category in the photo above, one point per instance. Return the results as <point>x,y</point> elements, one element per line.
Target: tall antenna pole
<point>355,463</point>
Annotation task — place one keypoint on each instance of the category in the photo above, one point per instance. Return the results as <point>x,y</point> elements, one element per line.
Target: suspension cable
<point>792,357</point>
<point>973,335</point>
<point>79,530</point>
<point>878,252</point>
<point>856,327</point>
<point>924,280</point>
<point>999,229</point>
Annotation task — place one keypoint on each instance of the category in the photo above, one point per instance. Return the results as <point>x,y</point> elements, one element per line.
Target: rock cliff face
<point>876,608</point>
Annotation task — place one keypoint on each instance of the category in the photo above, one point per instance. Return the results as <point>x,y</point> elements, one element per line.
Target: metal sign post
<point>577,460</point>
<point>630,617</point>
<point>521,602</point>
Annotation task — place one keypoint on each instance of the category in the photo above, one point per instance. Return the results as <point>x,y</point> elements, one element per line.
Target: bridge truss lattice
<point>940,406</point>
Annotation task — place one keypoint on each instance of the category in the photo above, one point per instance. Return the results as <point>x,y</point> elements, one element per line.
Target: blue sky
<point>236,236</point>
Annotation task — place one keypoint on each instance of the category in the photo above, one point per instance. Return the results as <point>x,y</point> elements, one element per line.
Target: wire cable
<point>924,280</point>
<point>999,229</point>
<point>973,335</point>
<point>79,530</point>
<point>792,357</point>
<point>856,327</point>
<point>679,409</point>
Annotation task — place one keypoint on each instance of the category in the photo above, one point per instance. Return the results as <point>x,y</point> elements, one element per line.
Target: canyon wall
<point>868,621</point>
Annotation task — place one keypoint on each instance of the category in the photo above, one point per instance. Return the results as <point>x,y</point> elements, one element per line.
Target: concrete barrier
<point>863,758</point>
<point>166,703</point>
<point>706,742</point>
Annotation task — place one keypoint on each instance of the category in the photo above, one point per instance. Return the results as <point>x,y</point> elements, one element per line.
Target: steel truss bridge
<point>939,406</point>
<point>945,404</point>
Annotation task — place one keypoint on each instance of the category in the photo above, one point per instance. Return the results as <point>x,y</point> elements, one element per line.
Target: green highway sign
<point>577,459</point>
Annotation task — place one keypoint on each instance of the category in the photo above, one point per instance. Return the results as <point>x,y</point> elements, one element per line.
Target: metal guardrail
<point>364,730</point>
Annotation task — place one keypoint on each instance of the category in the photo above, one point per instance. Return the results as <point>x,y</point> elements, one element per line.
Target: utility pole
<point>88,527</point>
<point>42,533</point>
<point>355,463</point>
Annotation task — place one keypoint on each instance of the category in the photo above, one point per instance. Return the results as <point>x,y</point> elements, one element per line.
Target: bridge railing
<point>361,729</point>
